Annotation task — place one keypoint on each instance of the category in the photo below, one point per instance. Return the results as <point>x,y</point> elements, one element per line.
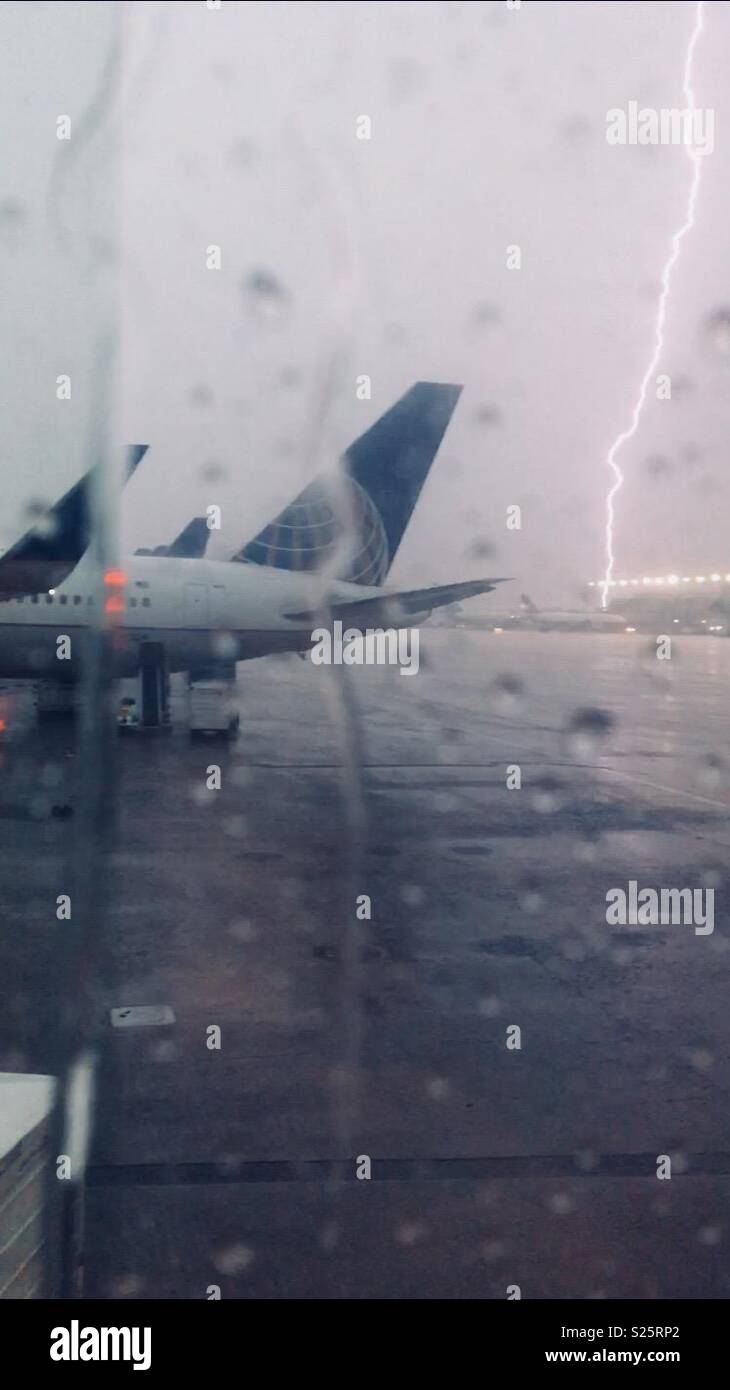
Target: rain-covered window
<point>364,603</point>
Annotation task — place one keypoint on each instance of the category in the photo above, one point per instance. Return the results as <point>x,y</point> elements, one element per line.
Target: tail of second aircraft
<point>192,542</point>
<point>352,525</point>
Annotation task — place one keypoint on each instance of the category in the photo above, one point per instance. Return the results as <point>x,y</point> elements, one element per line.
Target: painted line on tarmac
<point>589,1165</point>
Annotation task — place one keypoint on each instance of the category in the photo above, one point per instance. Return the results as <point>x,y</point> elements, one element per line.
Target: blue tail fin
<point>382,475</point>
<point>192,542</point>
<point>45,555</point>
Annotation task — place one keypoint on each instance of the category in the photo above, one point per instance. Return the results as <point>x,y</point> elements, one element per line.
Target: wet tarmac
<point>228,1160</point>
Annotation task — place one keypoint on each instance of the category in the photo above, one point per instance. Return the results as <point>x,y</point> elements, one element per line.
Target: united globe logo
<point>324,520</point>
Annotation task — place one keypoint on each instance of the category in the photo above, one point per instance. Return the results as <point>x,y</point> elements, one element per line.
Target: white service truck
<point>211,708</point>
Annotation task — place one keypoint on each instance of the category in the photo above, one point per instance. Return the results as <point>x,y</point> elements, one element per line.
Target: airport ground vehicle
<point>211,709</point>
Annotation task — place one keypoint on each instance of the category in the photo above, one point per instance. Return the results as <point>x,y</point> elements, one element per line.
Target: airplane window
<point>145,603</point>
<point>77,599</point>
<point>133,603</point>
<point>49,598</point>
<point>63,598</point>
<point>34,598</point>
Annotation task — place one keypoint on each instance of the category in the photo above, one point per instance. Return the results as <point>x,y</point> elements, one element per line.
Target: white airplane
<point>567,620</point>
<point>273,593</point>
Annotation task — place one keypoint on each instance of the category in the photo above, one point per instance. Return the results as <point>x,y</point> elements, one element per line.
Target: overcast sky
<point>237,127</point>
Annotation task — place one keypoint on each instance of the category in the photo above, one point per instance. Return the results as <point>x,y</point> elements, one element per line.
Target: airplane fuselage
<point>200,610</point>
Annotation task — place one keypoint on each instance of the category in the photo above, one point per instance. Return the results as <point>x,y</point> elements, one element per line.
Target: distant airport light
<point>714,578</point>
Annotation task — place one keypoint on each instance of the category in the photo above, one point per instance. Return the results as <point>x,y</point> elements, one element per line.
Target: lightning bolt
<point>675,247</point>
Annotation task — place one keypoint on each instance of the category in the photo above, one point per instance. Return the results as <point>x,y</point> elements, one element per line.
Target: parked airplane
<point>566,620</point>
<point>324,559</point>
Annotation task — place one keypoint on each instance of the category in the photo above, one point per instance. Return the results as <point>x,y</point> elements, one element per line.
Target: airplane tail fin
<point>135,454</point>
<point>53,547</point>
<point>192,542</point>
<point>352,524</point>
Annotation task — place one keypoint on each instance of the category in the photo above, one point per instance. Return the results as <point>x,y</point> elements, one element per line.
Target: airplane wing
<point>51,549</point>
<point>393,608</point>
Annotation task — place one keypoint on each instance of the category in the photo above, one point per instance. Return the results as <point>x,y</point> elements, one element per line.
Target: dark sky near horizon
<point>387,257</point>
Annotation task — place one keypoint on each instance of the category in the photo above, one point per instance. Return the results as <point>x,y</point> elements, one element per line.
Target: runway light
<point>673,579</point>
<point>699,578</point>
<point>715,578</point>
<point>629,629</point>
